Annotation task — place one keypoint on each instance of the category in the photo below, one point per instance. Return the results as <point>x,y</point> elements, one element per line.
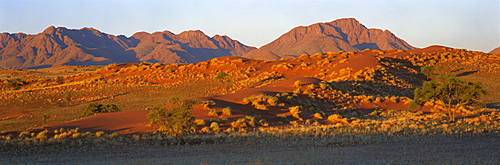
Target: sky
<point>468,24</point>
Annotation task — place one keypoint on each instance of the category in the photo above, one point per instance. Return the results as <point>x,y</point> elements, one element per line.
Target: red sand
<point>121,122</point>
<point>136,121</point>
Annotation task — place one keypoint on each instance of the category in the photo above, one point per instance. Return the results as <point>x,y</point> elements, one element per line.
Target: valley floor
<point>421,149</point>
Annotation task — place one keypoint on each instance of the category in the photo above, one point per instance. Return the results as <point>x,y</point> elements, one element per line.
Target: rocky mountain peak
<point>346,34</point>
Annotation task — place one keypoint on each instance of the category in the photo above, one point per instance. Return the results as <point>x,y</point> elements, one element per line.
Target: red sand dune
<point>120,122</point>
<point>136,121</point>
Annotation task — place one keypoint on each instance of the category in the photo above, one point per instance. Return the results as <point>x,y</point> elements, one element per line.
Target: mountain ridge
<point>88,46</point>
<point>496,50</point>
<point>346,34</point>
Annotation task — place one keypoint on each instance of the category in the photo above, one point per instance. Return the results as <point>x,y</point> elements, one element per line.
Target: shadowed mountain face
<point>87,46</point>
<point>340,35</point>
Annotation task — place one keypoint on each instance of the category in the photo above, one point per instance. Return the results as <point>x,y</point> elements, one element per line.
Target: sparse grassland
<point>452,143</point>
<point>317,103</point>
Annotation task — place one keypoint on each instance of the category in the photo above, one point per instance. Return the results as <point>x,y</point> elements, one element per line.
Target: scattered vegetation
<point>295,111</point>
<point>338,103</point>
<point>94,108</point>
<point>15,84</point>
<point>261,101</point>
<point>177,120</point>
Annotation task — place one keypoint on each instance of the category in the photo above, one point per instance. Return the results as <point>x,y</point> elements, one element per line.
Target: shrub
<point>200,122</point>
<point>261,107</point>
<point>251,120</point>
<point>262,101</point>
<point>59,80</point>
<point>212,113</point>
<point>317,115</point>
<point>297,83</point>
<point>336,118</point>
<point>99,134</point>
<point>42,135</point>
<point>239,123</point>
<point>281,116</point>
<point>205,129</point>
<point>215,126</point>
<point>244,122</point>
<point>227,111</point>
<point>297,91</point>
<point>295,111</point>
<point>15,84</point>
<point>177,120</point>
<point>207,104</point>
<point>427,70</point>
<point>94,108</point>
<point>221,75</point>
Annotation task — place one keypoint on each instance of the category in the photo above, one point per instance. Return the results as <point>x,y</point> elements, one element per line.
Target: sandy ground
<point>400,150</point>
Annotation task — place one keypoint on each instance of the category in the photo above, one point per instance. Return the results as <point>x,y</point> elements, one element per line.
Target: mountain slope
<point>496,50</point>
<point>87,46</point>
<point>339,35</point>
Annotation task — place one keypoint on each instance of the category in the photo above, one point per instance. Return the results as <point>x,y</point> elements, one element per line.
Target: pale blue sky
<point>469,24</point>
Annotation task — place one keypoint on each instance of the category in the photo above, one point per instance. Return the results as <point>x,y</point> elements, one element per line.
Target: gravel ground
<point>435,149</point>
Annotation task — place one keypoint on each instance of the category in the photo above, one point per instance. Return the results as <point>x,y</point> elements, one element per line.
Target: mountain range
<point>346,34</point>
<point>87,46</point>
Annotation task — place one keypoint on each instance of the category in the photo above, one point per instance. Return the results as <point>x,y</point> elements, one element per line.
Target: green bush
<point>94,108</point>
<point>15,84</point>
<point>178,120</point>
<point>427,70</point>
<point>455,93</point>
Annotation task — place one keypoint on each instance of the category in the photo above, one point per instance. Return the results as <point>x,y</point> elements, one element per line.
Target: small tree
<point>223,78</point>
<point>452,91</point>
<point>177,120</point>
<point>221,75</point>
<point>45,117</point>
<point>68,99</point>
